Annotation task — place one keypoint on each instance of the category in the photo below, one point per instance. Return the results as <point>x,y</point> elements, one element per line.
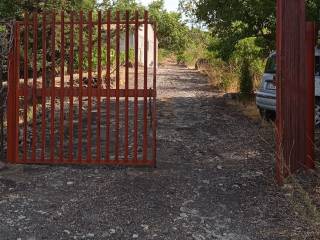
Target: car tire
<point>317,114</point>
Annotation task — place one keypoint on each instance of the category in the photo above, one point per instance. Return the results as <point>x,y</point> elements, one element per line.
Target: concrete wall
<point>141,44</point>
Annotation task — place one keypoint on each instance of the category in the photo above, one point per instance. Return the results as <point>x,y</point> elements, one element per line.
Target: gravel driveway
<point>214,180</point>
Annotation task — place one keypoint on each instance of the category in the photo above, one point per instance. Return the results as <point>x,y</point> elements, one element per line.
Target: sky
<point>170,5</point>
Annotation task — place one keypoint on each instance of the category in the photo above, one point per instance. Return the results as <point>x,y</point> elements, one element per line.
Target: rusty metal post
<point>292,91</point>
<point>310,75</point>
<point>154,107</point>
<point>12,101</point>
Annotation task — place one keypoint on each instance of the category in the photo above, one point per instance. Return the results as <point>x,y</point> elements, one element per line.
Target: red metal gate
<point>82,89</point>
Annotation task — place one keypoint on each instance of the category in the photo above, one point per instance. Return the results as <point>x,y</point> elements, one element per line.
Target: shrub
<point>164,55</point>
<point>249,55</point>
<point>222,75</point>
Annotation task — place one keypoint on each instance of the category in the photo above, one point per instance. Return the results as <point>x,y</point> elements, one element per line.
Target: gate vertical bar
<point>34,85</point>
<point>17,74</point>
<point>154,109</point>
<point>310,76</point>
<point>279,122</point>
<point>145,88</point>
<point>61,122</point>
<point>43,97</point>
<point>53,85</point>
<point>89,156</point>
<point>99,89</point>
<point>136,76</point>
<point>25,72</point>
<point>108,87</point>
<point>71,86</point>
<point>80,86</point>
<point>2,109</point>
<point>117,84</point>
<point>11,113</point>
<point>126,137</point>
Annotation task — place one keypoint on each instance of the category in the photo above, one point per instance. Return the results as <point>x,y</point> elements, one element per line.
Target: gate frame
<point>14,91</point>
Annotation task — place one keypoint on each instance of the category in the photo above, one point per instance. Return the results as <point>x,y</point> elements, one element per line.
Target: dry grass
<point>222,76</point>
<point>248,108</point>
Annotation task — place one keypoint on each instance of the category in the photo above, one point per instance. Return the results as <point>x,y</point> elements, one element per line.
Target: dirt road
<point>214,180</point>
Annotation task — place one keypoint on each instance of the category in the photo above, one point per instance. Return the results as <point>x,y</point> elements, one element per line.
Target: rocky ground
<point>214,180</point>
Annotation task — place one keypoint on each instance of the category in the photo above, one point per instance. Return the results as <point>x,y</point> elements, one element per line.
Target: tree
<point>172,32</point>
<point>233,20</point>
<point>14,9</point>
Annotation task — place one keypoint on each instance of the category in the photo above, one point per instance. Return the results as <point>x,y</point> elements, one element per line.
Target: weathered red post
<point>310,75</point>
<point>12,100</point>
<point>292,134</point>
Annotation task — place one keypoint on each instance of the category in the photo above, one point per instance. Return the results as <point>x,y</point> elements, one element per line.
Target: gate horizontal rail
<point>76,92</point>
<point>87,23</point>
<point>88,91</point>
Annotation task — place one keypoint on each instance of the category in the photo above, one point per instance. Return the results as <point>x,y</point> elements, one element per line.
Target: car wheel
<point>317,115</point>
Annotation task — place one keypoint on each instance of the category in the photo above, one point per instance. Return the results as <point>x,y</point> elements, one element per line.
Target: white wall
<point>141,44</point>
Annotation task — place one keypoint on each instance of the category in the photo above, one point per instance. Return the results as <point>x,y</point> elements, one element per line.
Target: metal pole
<point>291,88</point>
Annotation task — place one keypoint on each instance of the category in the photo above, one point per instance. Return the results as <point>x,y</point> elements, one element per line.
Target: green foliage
<point>242,71</point>
<point>172,32</point>
<point>8,8</point>
<point>164,54</point>
<point>14,9</point>
<point>313,10</point>
<point>233,20</point>
<point>196,47</point>
<point>247,51</point>
<point>222,75</point>
<point>124,5</point>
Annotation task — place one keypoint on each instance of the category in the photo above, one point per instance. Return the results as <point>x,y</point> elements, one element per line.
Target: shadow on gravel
<point>214,180</point>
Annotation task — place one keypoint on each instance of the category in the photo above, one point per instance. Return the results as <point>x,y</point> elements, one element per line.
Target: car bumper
<point>266,101</point>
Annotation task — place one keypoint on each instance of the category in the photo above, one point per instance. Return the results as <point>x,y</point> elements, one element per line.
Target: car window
<point>271,65</point>
<point>317,65</point>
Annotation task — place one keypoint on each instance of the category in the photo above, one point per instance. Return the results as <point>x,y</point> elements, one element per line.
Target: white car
<point>266,96</point>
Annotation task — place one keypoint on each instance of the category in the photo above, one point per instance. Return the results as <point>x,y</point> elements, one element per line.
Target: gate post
<point>291,128</point>
<point>310,76</point>
<point>12,97</point>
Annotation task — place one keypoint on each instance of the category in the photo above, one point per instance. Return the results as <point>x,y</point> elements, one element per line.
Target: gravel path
<point>214,180</point>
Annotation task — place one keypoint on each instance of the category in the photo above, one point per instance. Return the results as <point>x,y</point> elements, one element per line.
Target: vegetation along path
<point>214,180</point>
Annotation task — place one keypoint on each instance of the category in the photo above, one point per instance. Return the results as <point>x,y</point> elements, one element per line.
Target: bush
<point>181,58</point>
<point>249,55</point>
<point>222,75</point>
<point>164,55</point>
